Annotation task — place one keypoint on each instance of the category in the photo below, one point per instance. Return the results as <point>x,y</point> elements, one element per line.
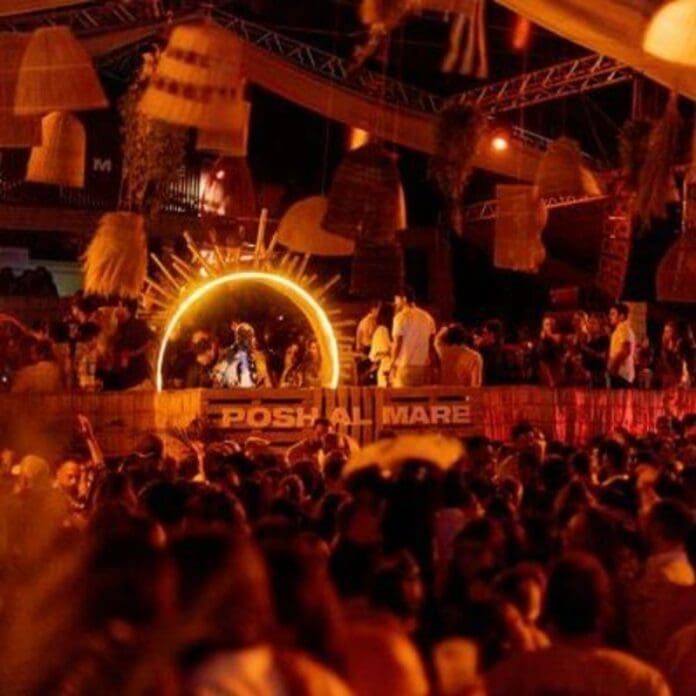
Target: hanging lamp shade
<point>300,230</point>
<point>198,78</point>
<point>562,172</point>
<point>671,33</point>
<point>366,199</point>
<point>60,159</point>
<point>521,219</point>
<point>56,74</point>
<point>15,131</point>
<point>377,271</point>
<point>232,141</point>
<point>115,263</point>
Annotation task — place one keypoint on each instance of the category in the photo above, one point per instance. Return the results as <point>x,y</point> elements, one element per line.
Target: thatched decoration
<point>676,274</point>
<point>233,141</point>
<point>15,131</point>
<point>377,271</point>
<point>56,74</point>
<point>518,226</point>
<point>366,197</point>
<point>60,159</point>
<point>562,171</point>
<point>115,262</point>
<point>198,79</point>
<point>300,230</point>
<point>459,131</point>
<point>656,187</point>
<point>633,150</point>
<point>153,151</point>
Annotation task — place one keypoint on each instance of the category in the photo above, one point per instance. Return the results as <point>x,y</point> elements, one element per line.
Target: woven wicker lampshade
<point>562,173</point>
<point>198,78</point>
<point>366,198</point>
<point>671,34</point>
<point>115,263</point>
<point>300,230</point>
<point>15,131</point>
<point>232,141</point>
<point>56,74</point>
<point>377,271</point>
<point>60,159</point>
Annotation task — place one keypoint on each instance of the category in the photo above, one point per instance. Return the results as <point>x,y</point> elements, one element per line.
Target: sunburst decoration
<point>179,287</point>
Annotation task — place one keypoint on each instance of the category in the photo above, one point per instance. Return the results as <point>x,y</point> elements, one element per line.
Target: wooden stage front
<point>43,422</point>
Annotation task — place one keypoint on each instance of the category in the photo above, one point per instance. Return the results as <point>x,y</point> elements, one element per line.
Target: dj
<point>242,365</point>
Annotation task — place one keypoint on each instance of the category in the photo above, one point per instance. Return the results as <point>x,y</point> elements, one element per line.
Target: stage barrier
<point>43,423</point>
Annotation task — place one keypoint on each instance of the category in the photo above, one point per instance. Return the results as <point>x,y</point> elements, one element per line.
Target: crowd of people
<point>521,567</point>
<point>97,346</point>
<point>399,345</point>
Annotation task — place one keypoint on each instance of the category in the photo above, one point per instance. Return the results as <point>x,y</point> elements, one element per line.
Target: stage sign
<point>364,414</point>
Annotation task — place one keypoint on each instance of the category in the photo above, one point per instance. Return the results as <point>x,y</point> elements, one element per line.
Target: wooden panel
<point>282,416</point>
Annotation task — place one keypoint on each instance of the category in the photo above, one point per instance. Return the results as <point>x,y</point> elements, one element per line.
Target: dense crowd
<point>109,346</point>
<point>415,566</point>
<point>401,346</point>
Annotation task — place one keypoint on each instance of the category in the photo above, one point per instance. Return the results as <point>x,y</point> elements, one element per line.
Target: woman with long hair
<point>381,346</point>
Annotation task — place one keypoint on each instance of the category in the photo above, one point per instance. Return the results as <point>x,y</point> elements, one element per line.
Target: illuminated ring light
<point>310,308</point>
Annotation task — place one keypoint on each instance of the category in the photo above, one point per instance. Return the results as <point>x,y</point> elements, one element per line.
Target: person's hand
<point>84,427</point>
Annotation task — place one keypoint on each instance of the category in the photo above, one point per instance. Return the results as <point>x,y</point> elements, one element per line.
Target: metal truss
<point>488,210</point>
<point>555,82</point>
<point>102,18</point>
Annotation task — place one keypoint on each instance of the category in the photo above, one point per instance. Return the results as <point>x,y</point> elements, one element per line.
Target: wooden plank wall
<point>44,424</point>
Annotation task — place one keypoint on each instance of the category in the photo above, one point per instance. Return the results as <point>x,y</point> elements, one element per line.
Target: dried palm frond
<point>115,262</point>
<point>153,151</point>
<point>633,149</point>
<point>656,187</point>
<point>459,131</point>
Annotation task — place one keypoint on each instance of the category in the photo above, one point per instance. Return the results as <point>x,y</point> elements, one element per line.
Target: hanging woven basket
<point>366,199</point>
<point>198,78</point>
<point>300,230</point>
<point>377,271</point>
<point>232,141</point>
<point>60,159</point>
<point>562,172</point>
<point>56,74</point>
<point>115,263</point>
<point>15,131</point>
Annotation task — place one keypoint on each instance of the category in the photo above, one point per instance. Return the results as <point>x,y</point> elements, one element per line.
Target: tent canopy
<point>612,28</point>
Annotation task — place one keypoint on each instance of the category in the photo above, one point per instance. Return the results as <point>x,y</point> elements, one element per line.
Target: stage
<point>43,422</point>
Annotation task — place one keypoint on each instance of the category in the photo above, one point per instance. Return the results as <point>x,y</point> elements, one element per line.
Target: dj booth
<point>44,423</point>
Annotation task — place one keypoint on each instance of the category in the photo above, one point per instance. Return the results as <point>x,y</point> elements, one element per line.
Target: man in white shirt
<point>622,349</point>
<point>413,352</point>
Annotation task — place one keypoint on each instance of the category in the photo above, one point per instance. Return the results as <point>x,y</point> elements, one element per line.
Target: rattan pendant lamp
<point>15,131</point>
<point>198,78</point>
<point>562,172</point>
<point>233,140</point>
<point>60,159</point>
<point>56,74</point>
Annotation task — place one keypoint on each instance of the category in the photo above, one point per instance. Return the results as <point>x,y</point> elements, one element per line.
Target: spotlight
<point>220,174</point>
<point>500,142</point>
